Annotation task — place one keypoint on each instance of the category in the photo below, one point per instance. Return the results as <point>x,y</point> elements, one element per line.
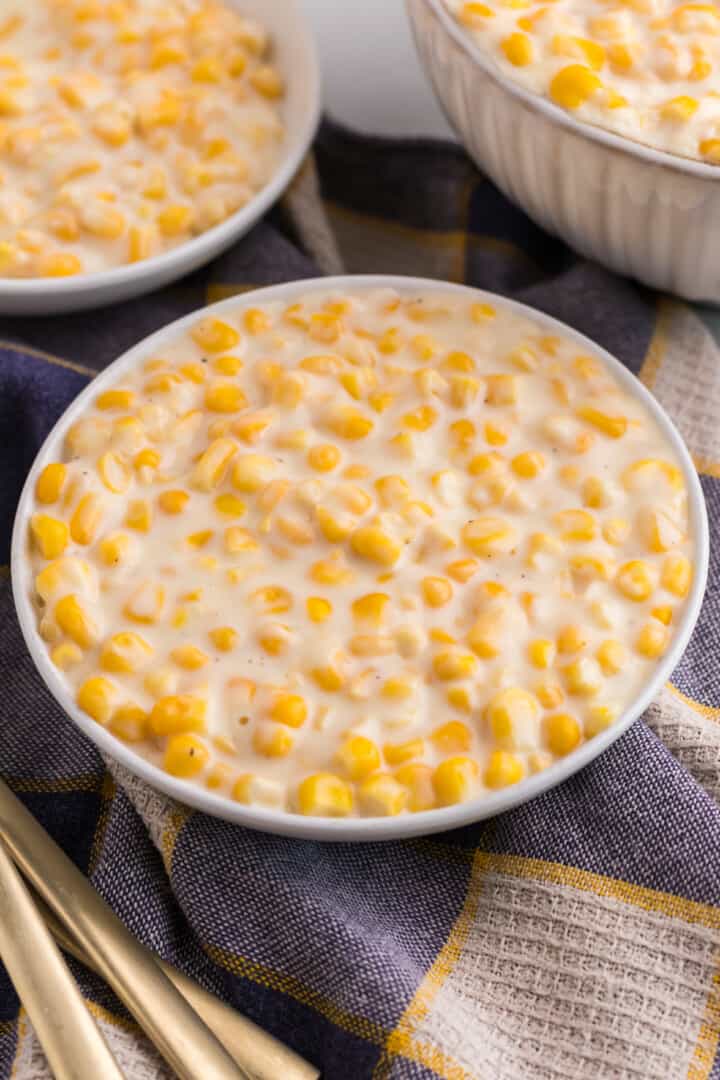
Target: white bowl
<point>649,214</point>
<point>300,110</point>
<point>317,828</point>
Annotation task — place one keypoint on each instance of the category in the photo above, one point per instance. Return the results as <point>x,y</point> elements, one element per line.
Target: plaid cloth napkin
<point>576,937</point>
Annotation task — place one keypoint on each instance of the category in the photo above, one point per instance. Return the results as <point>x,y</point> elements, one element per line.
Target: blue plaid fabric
<point>577,936</point>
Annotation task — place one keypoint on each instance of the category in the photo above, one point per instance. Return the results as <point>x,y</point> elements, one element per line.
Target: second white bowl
<point>642,212</point>
<point>296,59</point>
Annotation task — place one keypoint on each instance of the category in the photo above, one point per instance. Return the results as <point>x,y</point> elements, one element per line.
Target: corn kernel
<point>652,640</point>
<point>541,652</point>
<point>288,709</point>
<point>571,639</point>
<point>573,85</point>
<point>173,502</point>
<point>371,543</point>
<point>502,770</point>
<point>562,733</point>
<point>453,737</point>
<point>358,756</point>
<point>129,722</point>
<point>185,756</point>
<point>598,719</point>
<point>612,426</point>
<point>472,13</point>
<point>258,789</point>
<point>326,795</point>
<point>318,609</point>
<point>529,464</point>
<point>584,49</point>
<point>51,535</point>
<point>86,519</point>
<point>146,603</point>
<point>518,49</point>
<point>710,150</point>
<point>272,741</point>
<point>549,694</point>
<point>382,796</point>
<point>252,472</point>
<point>583,677</point>
<point>57,264</point>
<point>75,622</point>
<point>50,483</point>
<point>324,457</point>
<point>178,714</point>
<point>462,433</point>
<point>65,655</point>
<point>634,580</point>
<point>139,515</point>
<point>211,466</point>
<point>215,336</point>
<point>96,697</point>
<point>189,657</point>
<point>643,476</point>
<point>437,591</point>
<point>610,655</point>
<point>370,608</point>
<point>223,638</point>
<point>452,665</point>
<point>488,536</point>
<point>462,570</point>
<point>400,753</point>
<point>371,645</point>
<point>679,109</point>
<point>575,525</point>
<point>660,531</point>
<point>418,782</point>
<point>676,575</point>
<point>225,398</point>
<point>125,652</point>
<point>328,678</point>
<point>331,571</point>
<point>349,423</point>
<point>454,780</point>
<point>513,716</point>
<point>616,531</point>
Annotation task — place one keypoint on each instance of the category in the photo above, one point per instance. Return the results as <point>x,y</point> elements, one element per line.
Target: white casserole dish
<point>350,829</point>
<point>294,51</point>
<point>642,212</point>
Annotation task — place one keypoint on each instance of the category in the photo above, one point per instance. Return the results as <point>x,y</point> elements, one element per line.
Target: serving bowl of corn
<point>142,139</point>
<point>600,120</point>
<point>359,558</point>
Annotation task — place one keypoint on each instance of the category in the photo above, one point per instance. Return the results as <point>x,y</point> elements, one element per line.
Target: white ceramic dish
<point>642,212</point>
<point>297,60</point>
<point>347,829</point>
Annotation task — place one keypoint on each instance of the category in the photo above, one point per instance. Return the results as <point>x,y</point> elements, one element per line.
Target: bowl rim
<point>361,828</point>
<point>554,113</point>
<point>200,249</point>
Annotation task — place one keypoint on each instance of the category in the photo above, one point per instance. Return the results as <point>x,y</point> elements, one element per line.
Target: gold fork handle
<point>73,1045</point>
<point>186,1043</point>
<point>264,1056</point>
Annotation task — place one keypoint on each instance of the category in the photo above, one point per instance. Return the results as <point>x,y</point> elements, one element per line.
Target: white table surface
<point>372,80</point>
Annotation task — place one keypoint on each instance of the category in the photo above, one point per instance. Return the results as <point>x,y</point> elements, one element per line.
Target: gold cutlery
<point>68,902</point>
<point>183,1039</point>
<point>260,1054</point>
<point>73,1045</point>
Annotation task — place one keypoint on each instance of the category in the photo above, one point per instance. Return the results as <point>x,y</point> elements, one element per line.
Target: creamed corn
<point>314,579</point>
<point>646,69</point>
<point>127,127</point>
